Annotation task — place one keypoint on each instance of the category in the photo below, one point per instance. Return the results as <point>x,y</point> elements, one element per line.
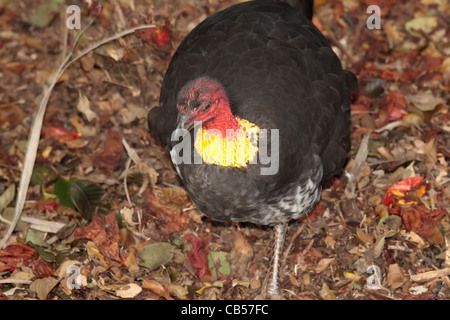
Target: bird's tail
<point>305,6</point>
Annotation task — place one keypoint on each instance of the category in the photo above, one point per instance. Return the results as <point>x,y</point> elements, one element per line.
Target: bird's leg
<point>272,288</point>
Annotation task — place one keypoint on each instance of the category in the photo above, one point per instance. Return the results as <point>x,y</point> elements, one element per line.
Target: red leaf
<point>316,212</point>
<point>160,35</point>
<point>104,232</point>
<point>15,253</point>
<point>42,268</point>
<point>392,107</point>
<point>48,207</point>
<point>95,9</point>
<point>421,220</point>
<point>60,134</point>
<point>407,184</point>
<point>199,257</point>
<point>168,220</point>
<point>113,152</point>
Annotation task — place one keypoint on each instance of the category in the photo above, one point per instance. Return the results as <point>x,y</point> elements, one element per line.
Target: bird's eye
<point>206,107</point>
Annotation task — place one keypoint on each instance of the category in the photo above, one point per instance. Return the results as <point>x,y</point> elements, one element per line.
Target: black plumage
<point>278,72</point>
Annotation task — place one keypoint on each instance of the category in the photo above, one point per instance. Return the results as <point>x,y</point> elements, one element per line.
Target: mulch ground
<point>383,235</point>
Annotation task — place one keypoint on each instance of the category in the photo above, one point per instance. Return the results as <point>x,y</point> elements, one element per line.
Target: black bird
<point>254,109</point>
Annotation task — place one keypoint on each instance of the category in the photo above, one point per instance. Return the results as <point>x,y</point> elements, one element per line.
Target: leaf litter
<point>385,236</point>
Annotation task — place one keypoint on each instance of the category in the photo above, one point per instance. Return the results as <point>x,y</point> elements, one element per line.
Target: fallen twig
<point>33,140</point>
<point>16,281</point>
<point>430,275</point>
<point>360,159</point>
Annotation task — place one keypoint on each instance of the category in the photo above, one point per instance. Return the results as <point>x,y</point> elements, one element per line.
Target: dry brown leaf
<point>326,293</point>
<point>241,253</point>
<point>390,226</point>
<point>112,154</point>
<point>436,237</point>
<point>128,291</point>
<point>10,115</point>
<point>378,247</point>
<point>330,241</point>
<point>114,52</point>
<point>92,251</point>
<point>396,276</point>
<point>414,237</point>
<point>425,101</point>
<point>62,270</point>
<point>420,219</point>
<point>383,151</point>
<point>171,221</point>
<point>84,106</point>
<point>43,286</point>
<point>394,35</point>
<point>157,288</point>
<point>431,153</point>
<point>114,104</point>
<point>132,265</point>
<point>104,232</point>
<point>178,291</point>
<point>323,264</point>
<point>174,199</point>
<point>126,116</point>
<point>365,238</point>
<point>78,124</point>
<point>241,245</point>
<point>87,62</point>
<point>77,144</point>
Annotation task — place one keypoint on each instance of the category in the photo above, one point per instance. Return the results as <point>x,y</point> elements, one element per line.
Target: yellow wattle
<point>235,150</point>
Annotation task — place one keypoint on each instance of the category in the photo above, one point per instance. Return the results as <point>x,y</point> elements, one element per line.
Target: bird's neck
<point>219,145</point>
<point>224,121</point>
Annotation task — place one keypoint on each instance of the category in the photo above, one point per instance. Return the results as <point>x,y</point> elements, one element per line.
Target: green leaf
<point>7,196</point>
<point>44,14</point>
<point>216,284</point>
<point>35,237</point>
<point>156,254</point>
<point>86,197</point>
<point>218,263</point>
<point>425,24</point>
<point>82,195</point>
<point>44,254</point>
<point>356,286</point>
<point>61,189</point>
<point>48,195</point>
<point>41,175</point>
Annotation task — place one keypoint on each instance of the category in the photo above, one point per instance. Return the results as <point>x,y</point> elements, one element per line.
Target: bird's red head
<point>204,99</point>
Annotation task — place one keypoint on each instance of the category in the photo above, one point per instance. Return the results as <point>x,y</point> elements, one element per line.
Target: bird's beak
<point>185,122</point>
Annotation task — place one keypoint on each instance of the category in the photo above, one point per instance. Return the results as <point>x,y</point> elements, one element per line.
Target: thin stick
<point>16,281</point>
<point>430,275</point>
<point>125,184</point>
<point>360,159</point>
<point>33,140</point>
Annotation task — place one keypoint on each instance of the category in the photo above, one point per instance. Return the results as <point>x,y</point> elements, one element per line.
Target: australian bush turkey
<point>254,109</point>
